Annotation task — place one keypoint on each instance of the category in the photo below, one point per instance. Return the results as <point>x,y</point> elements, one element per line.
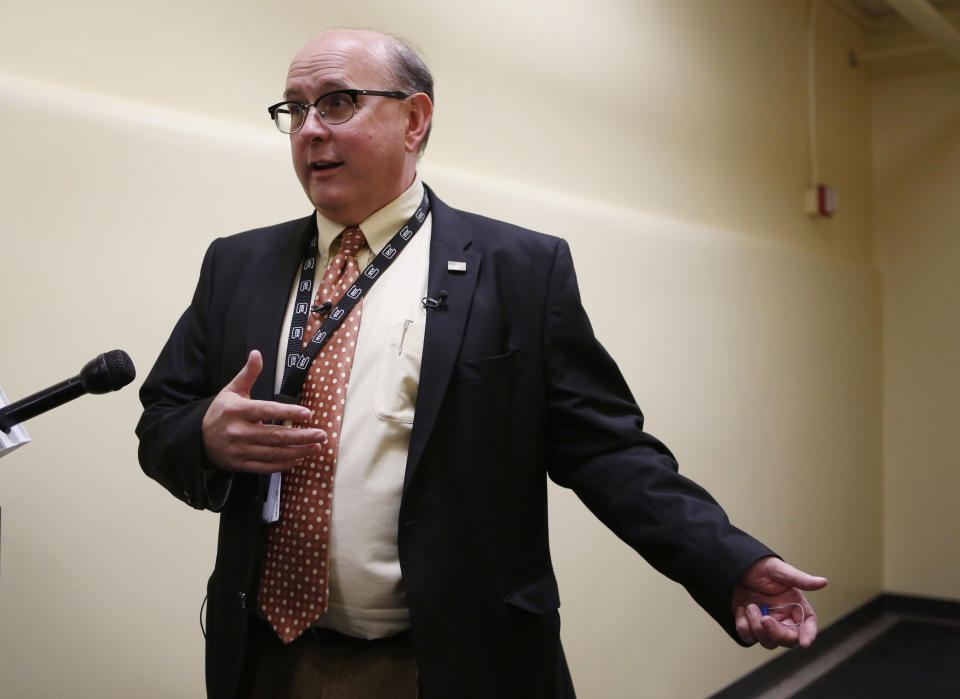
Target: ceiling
<point>904,41</point>
<point>876,9</point>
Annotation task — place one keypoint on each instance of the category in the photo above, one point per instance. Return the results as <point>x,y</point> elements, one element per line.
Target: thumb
<point>797,578</point>
<point>243,381</point>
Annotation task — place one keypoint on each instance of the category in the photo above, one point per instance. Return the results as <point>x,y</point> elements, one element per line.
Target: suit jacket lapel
<point>445,325</point>
<point>268,296</point>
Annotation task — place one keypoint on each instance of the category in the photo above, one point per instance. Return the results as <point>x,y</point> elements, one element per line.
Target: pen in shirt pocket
<point>406,324</point>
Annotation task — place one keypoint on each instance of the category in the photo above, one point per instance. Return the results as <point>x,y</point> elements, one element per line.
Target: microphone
<point>107,372</point>
<point>437,303</point>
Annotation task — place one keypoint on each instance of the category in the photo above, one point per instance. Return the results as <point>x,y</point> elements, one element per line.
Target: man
<point>426,569</point>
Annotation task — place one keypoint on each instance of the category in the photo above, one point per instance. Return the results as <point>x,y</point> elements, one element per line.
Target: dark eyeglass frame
<point>353,94</point>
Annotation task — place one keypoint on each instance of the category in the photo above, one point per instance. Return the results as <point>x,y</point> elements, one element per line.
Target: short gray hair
<point>411,72</point>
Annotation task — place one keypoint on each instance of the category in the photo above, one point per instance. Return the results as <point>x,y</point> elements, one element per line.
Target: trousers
<point>324,664</point>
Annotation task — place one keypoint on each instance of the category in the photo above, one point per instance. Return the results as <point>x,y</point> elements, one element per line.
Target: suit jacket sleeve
<point>175,396</point>
<point>626,477</point>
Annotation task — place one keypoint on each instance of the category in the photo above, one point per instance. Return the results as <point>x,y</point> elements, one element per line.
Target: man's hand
<point>772,583</point>
<point>236,438</point>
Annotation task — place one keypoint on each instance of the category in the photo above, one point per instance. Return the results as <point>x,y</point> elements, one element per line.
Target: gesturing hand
<point>772,583</point>
<point>236,438</point>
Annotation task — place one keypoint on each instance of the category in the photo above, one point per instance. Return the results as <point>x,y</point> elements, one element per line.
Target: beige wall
<point>666,141</point>
<point>916,171</point>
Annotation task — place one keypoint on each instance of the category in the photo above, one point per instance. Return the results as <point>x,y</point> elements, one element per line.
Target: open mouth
<point>324,166</point>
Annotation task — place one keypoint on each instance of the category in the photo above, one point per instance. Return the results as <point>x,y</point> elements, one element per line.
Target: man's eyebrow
<point>292,93</point>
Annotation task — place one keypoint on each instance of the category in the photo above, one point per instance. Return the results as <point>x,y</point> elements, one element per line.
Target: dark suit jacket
<point>513,387</point>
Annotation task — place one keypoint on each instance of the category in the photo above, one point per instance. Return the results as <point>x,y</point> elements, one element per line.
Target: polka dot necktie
<point>294,583</point>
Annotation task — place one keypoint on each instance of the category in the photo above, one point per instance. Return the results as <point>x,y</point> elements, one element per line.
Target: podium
<point>17,436</point>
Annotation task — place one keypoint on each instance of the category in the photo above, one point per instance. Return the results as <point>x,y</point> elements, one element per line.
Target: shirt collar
<point>380,226</point>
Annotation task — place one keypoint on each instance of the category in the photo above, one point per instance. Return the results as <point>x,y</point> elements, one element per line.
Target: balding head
<point>351,169</point>
<point>389,55</point>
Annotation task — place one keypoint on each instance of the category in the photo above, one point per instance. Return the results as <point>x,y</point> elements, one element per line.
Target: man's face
<point>352,169</point>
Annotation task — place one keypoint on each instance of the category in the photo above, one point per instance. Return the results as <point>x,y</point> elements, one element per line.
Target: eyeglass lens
<point>333,109</point>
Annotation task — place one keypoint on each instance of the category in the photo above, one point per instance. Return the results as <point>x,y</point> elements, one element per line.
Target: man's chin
<point>334,208</point>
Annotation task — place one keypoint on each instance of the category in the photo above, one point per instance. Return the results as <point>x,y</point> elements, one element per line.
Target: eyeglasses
<point>333,108</point>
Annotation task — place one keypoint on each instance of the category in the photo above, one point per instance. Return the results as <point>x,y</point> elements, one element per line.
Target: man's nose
<point>313,125</point>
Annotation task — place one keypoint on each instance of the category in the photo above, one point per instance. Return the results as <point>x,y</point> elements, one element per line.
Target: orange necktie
<point>295,581</point>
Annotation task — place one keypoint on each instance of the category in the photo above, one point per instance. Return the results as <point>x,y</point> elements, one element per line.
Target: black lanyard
<point>298,358</point>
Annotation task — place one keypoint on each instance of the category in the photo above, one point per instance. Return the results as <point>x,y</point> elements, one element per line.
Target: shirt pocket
<point>398,373</point>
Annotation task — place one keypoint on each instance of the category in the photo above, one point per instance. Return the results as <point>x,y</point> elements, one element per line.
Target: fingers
<point>743,626</point>
<point>266,411</point>
<point>808,629</point>
<point>263,459</point>
<point>754,627</point>
<point>280,436</point>
<point>244,380</point>
<point>229,409</point>
<point>244,446</point>
<point>765,630</point>
<point>256,434</point>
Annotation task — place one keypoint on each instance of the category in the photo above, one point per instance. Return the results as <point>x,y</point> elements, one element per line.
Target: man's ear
<point>420,111</point>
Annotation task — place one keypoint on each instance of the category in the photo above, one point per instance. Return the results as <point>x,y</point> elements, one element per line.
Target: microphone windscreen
<point>120,368</point>
<point>107,372</point>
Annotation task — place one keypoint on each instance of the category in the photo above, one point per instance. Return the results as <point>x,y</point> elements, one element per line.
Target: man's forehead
<point>338,59</point>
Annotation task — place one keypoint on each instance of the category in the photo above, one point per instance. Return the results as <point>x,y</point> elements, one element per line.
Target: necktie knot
<point>352,241</point>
